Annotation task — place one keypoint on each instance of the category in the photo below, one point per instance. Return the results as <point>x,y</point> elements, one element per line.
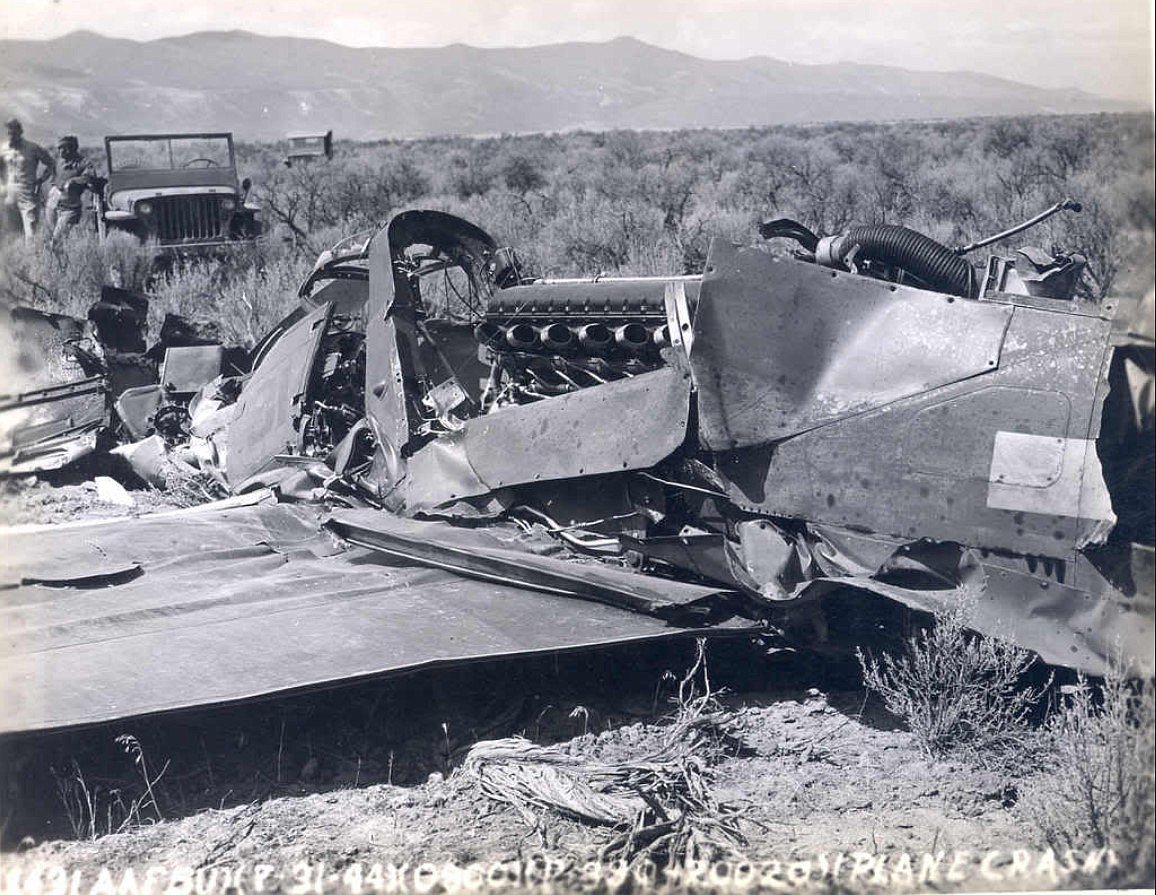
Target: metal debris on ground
<point>786,442</point>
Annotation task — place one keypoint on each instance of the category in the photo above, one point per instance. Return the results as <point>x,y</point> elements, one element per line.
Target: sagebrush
<point>1097,785</point>
<point>647,203</point>
<point>957,692</point>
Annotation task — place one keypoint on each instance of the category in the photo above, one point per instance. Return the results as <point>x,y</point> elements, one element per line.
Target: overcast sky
<point>1103,46</point>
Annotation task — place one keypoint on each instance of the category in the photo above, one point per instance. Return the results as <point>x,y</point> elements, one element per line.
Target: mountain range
<point>263,87</point>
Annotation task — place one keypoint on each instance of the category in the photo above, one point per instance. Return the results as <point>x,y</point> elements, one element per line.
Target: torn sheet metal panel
<point>1065,611</point>
<point>187,368</point>
<point>49,446</point>
<point>57,396</point>
<point>701,553</point>
<point>781,347</point>
<point>246,602</point>
<point>136,408</point>
<point>440,475</point>
<point>400,354</point>
<point>387,407</point>
<point>1063,624</point>
<point>81,550</point>
<point>1081,618</point>
<point>488,555</point>
<point>1048,477</point>
<point>268,412</point>
<point>562,438</point>
<point>565,437</point>
<point>1060,624</point>
<point>939,475</point>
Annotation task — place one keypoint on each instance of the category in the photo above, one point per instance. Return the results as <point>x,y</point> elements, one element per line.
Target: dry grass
<point>66,277</point>
<point>186,486</point>
<point>643,203</point>
<point>100,808</point>
<point>244,292</point>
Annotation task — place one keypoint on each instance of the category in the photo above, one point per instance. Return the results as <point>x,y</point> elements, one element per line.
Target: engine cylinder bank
<point>607,300</point>
<point>611,319</point>
<point>556,336</point>
<point>522,337</point>
<point>552,338</point>
<point>593,339</point>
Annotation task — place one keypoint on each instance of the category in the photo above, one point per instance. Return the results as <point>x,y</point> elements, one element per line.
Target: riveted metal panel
<point>492,556</point>
<point>923,467</point>
<point>781,346</point>
<point>943,438</point>
<point>628,424</point>
<point>385,404</point>
<point>51,402</point>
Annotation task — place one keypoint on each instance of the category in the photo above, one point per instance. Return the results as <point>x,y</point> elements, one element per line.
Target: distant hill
<point>264,87</point>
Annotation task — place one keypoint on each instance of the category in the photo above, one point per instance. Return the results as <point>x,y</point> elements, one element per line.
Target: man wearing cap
<point>73,176</point>
<point>20,161</point>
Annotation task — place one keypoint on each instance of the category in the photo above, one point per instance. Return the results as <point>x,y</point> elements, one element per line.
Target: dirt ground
<point>74,494</point>
<point>361,789</point>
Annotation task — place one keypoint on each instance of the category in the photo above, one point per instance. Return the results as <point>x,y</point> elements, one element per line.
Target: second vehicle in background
<point>308,147</point>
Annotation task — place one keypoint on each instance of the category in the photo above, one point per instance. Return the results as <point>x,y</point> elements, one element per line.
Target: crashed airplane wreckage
<point>769,446</point>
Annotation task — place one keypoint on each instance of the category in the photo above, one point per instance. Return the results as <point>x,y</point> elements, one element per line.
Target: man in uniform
<point>74,175</point>
<point>20,161</point>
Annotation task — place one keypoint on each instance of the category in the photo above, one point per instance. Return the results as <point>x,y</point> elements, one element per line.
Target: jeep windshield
<point>170,152</point>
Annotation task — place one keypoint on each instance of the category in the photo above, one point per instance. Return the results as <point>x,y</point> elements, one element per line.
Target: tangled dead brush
<point>176,475</point>
<point>187,486</point>
<point>660,802</point>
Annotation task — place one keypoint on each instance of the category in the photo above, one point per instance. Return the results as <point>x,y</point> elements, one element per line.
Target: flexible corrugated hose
<point>933,263</point>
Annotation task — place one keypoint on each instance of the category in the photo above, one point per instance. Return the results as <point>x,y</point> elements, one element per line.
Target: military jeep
<point>177,190</point>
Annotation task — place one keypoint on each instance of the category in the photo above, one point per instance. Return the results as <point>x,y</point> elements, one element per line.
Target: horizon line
<point>507,48</point>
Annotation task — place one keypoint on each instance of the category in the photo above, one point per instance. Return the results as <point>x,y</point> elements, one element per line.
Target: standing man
<point>20,160</point>
<point>73,176</point>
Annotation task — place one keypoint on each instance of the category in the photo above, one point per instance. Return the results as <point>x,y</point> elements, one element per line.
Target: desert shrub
<point>244,293</point>
<point>958,693</point>
<point>1004,136</point>
<point>467,174</point>
<point>626,201</point>
<point>1096,788</point>
<point>66,277</point>
<point>649,202</point>
<point>521,174</point>
<point>659,801</point>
